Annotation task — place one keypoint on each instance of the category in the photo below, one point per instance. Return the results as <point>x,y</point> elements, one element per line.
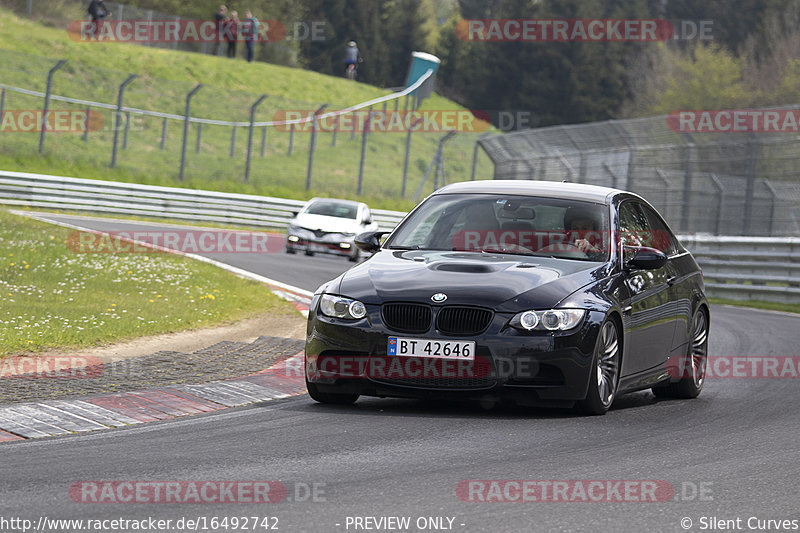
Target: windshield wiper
<point>502,251</point>
<point>412,247</point>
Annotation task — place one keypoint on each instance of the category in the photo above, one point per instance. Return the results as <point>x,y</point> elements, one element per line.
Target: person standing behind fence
<point>232,33</point>
<point>97,10</point>
<point>250,33</point>
<point>221,17</point>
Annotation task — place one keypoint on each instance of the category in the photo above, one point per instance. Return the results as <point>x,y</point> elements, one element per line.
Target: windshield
<point>333,209</point>
<point>521,225</point>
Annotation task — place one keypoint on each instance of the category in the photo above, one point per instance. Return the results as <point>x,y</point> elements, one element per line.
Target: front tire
<point>355,257</point>
<point>330,397</point>
<point>693,369</point>
<point>604,373</point>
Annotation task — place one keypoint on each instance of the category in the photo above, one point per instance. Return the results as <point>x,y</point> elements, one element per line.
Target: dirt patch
<point>245,331</point>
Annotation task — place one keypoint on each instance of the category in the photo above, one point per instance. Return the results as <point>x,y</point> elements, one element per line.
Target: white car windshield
<point>333,209</point>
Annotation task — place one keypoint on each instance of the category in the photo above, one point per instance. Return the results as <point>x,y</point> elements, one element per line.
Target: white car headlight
<point>338,307</point>
<point>549,320</point>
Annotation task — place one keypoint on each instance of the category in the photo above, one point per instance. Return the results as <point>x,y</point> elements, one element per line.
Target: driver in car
<point>583,231</point>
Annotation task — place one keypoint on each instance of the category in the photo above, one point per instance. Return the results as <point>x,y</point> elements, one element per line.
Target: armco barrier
<point>749,268</point>
<point>742,268</point>
<point>108,197</point>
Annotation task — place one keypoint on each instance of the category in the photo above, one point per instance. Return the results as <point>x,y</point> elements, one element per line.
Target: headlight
<point>338,307</point>
<point>550,320</point>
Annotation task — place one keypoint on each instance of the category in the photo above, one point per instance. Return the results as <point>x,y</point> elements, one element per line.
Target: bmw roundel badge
<point>439,297</point>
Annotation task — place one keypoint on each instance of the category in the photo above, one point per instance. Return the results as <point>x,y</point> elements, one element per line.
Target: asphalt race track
<point>732,453</point>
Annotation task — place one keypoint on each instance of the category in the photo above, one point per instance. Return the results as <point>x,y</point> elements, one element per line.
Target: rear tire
<point>309,253</point>
<point>693,369</point>
<point>330,397</point>
<point>604,372</point>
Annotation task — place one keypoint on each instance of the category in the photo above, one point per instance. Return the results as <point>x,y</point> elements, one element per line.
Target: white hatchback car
<point>328,226</point>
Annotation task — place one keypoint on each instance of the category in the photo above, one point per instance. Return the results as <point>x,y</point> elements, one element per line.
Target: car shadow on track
<point>486,408</point>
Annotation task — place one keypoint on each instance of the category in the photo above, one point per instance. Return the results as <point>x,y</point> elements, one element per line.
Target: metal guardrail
<point>741,268</point>
<point>108,197</point>
<point>749,268</point>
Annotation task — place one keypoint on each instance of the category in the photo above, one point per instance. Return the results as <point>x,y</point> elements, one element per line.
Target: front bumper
<point>538,368</point>
<point>324,243</point>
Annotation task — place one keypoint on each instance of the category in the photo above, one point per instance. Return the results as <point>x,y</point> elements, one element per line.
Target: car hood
<point>504,282</point>
<point>326,223</point>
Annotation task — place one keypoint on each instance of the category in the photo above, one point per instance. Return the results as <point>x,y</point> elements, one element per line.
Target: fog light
<point>293,238</point>
<point>344,245</point>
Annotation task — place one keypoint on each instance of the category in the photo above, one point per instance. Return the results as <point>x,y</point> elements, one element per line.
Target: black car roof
<point>550,189</point>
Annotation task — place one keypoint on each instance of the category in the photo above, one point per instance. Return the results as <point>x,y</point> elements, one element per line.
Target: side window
<point>661,236</point>
<point>633,225</point>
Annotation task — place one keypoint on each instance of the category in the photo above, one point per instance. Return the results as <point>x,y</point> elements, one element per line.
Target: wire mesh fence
<point>137,126</point>
<point>720,183</point>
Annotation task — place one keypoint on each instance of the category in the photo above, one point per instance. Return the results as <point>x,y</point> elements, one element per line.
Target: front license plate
<point>406,347</point>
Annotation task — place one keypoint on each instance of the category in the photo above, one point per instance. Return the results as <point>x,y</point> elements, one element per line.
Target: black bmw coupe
<point>542,293</point>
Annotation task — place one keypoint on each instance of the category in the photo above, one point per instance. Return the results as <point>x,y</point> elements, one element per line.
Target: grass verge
<point>758,304</point>
<point>216,155</point>
<point>55,298</point>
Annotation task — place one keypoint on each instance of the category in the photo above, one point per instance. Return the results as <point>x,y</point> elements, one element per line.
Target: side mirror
<point>369,241</point>
<point>644,257</point>
<point>368,221</point>
<point>294,213</point>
